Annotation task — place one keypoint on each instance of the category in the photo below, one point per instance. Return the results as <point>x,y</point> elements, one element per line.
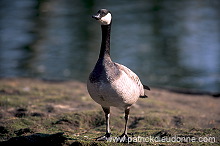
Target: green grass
<point>41,109</point>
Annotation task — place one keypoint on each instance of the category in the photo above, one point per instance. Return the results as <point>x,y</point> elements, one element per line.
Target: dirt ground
<point>34,112</point>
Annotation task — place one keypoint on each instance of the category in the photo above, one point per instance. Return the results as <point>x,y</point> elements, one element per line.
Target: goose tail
<point>145,96</point>
<point>147,88</point>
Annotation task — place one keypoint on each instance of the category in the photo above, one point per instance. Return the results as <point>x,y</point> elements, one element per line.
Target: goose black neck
<point>105,46</point>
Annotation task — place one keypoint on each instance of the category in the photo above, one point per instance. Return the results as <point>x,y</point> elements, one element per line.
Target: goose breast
<point>121,92</point>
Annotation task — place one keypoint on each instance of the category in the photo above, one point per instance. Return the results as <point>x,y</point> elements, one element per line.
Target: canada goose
<point>110,83</point>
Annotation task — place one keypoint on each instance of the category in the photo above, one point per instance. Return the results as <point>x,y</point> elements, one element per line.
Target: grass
<point>37,111</point>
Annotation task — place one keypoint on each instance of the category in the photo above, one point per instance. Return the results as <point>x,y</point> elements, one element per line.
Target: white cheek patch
<point>106,20</point>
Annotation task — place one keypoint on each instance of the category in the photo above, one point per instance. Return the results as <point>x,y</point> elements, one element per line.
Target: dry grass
<point>64,111</point>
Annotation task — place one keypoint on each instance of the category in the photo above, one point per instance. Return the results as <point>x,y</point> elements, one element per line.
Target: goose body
<point>110,83</point>
<point>119,87</point>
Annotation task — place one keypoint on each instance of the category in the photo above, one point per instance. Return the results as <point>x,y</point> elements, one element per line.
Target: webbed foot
<point>104,137</point>
<point>123,138</point>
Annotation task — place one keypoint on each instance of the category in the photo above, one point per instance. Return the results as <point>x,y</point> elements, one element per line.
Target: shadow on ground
<point>35,112</point>
<point>36,140</point>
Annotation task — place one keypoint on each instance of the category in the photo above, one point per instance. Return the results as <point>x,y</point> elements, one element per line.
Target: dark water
<point>167,43</point>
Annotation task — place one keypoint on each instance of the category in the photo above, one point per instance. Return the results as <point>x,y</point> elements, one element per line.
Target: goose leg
<point>107,117</point>
<point>124,136</point>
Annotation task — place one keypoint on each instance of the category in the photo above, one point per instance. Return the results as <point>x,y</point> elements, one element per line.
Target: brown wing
<point>134,77</point>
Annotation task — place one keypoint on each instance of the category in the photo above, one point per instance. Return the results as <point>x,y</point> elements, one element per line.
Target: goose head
<point>103,16</point>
